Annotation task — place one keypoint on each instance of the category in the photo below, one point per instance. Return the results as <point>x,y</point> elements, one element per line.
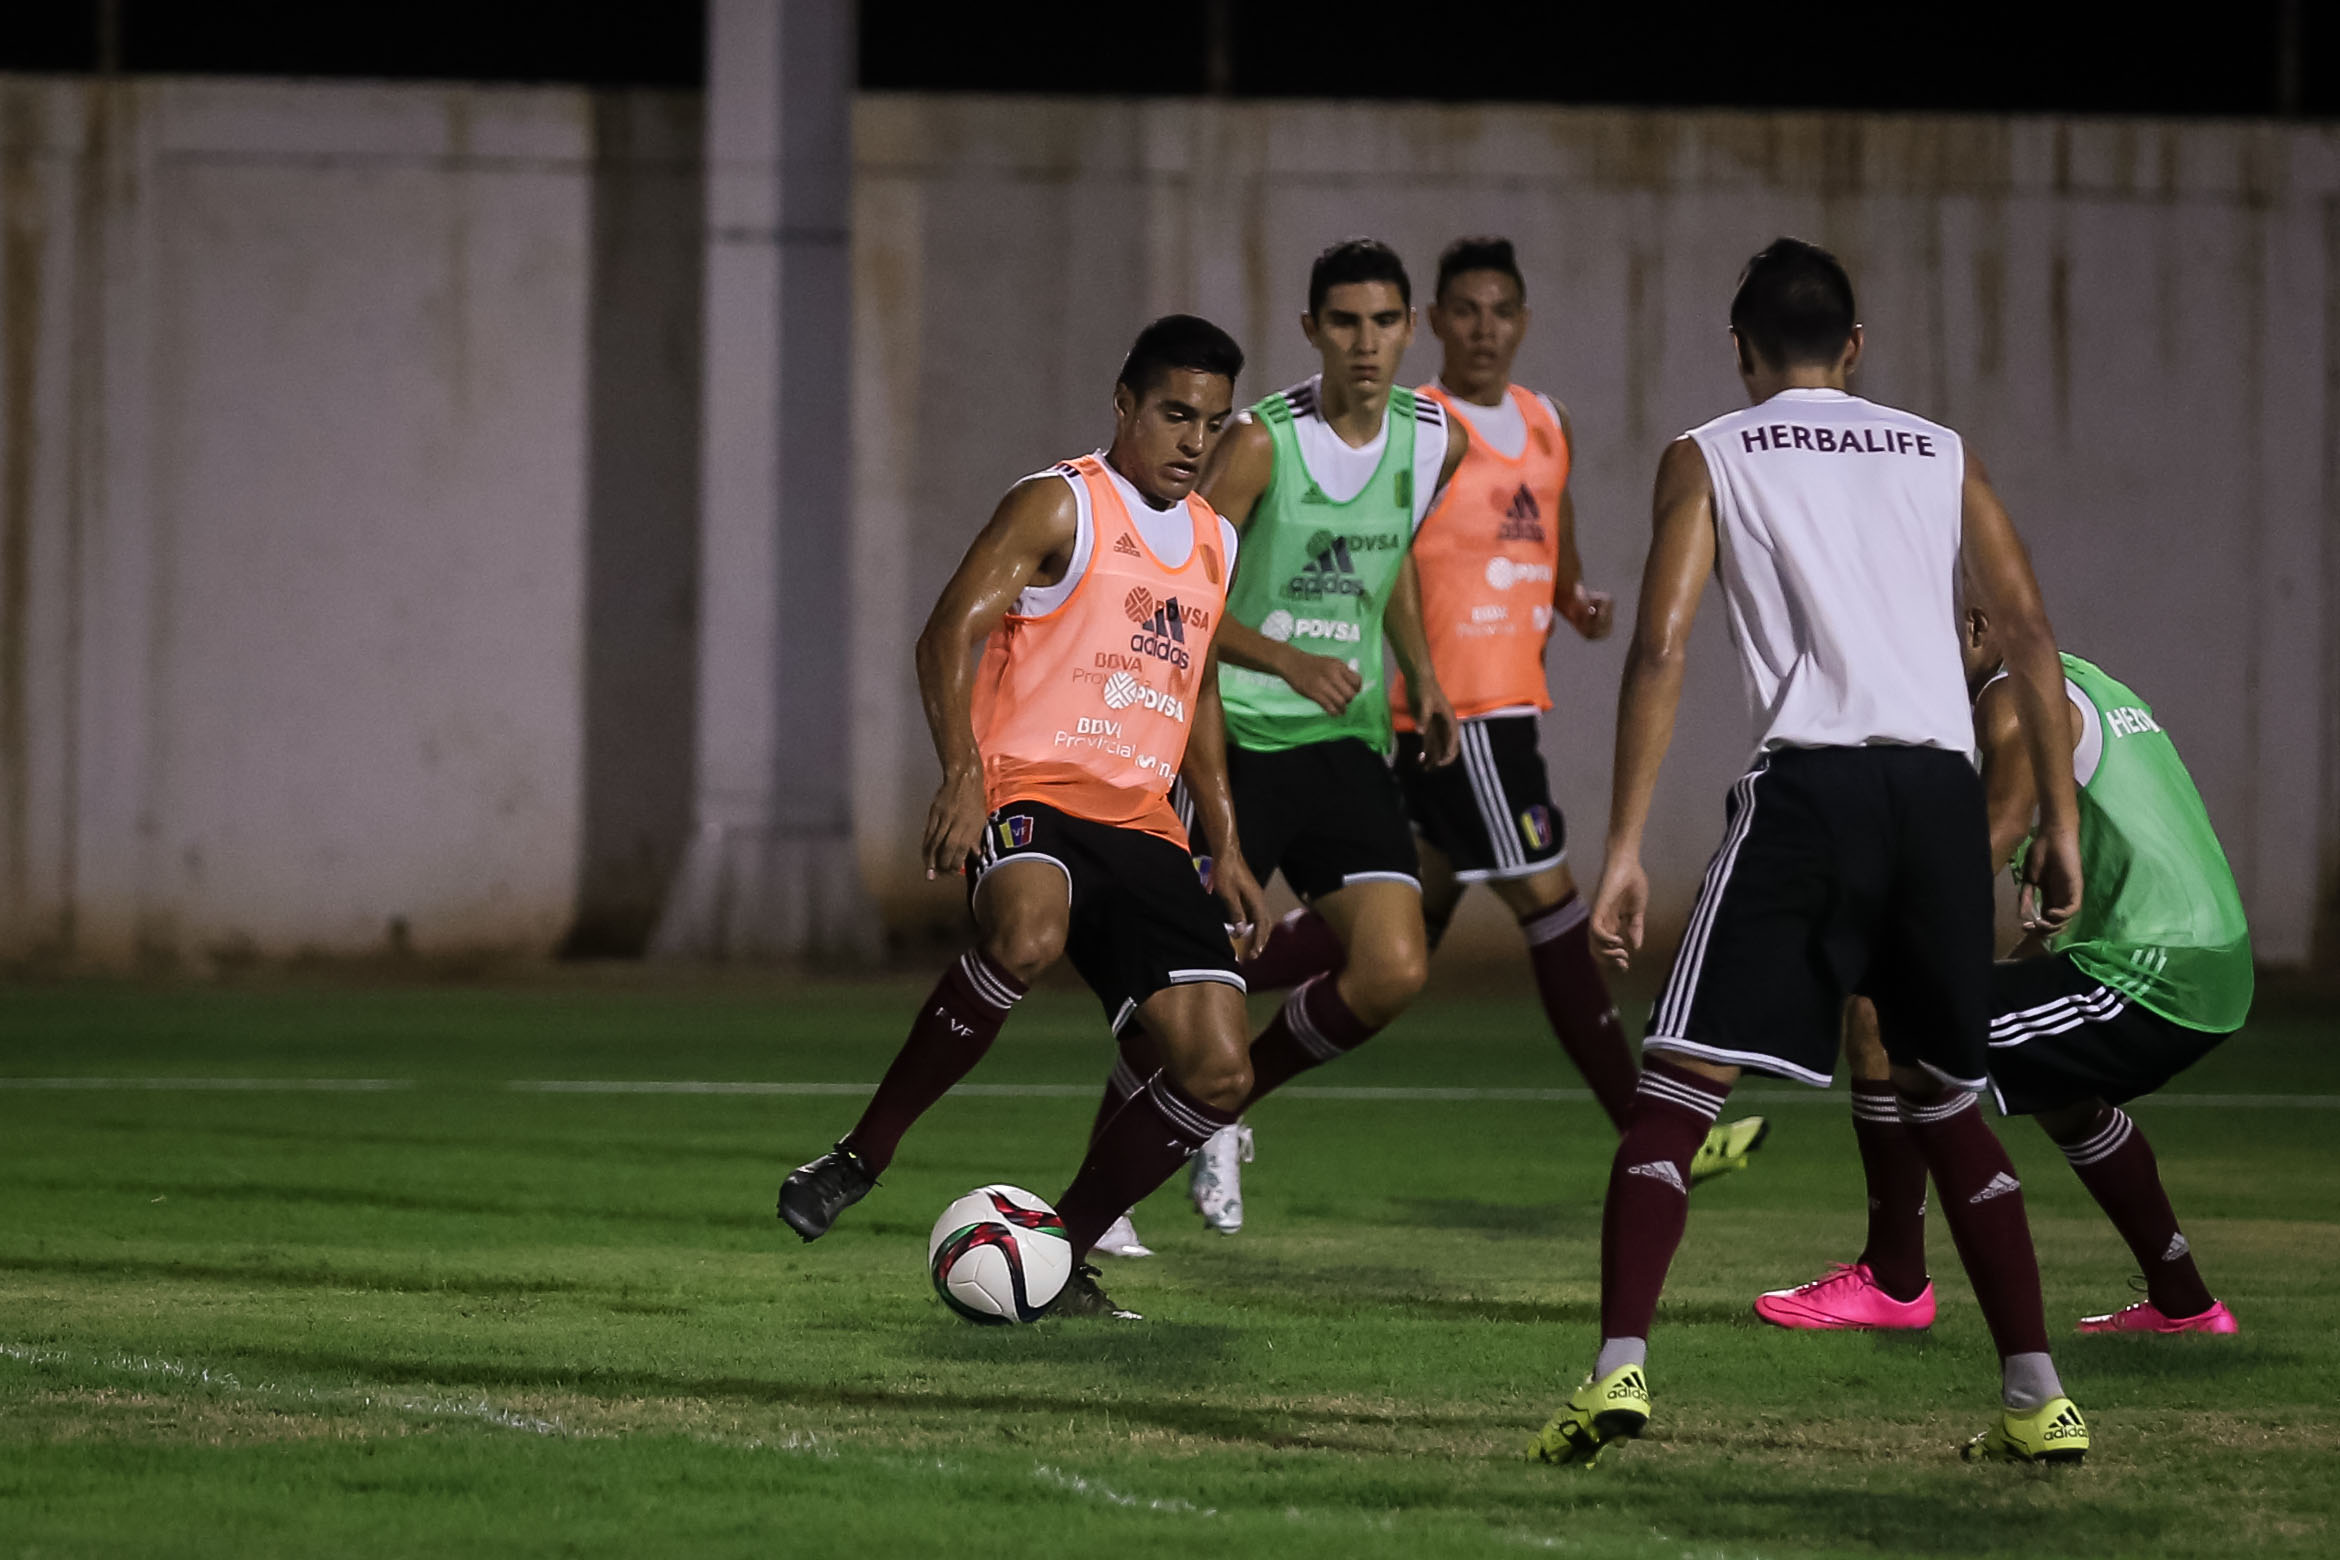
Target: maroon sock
<point>2116,1164</point>
<point>961,1018</point>
<point>1896,1172</point>
<point>1313,1027</point>
<point>1576,1000</point>
<point>1983,1203</point>
<point>1152,1134</point>
<point>1301,945</point>
<point>1119,1086</point>
<point>1649,1191</point>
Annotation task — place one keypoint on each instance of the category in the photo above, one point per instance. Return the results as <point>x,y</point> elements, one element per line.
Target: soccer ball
<point>998,1255</point>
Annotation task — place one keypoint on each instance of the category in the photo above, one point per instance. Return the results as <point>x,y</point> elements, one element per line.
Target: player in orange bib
<point>1093,598</point>
<point>1498,564</point>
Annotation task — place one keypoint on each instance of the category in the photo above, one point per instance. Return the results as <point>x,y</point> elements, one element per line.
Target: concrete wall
<point>318,460</point>
<point>349,443</point>
<point>2135,325</point>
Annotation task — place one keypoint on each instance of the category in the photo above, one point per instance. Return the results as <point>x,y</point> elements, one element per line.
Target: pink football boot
<point>2145,1317</point>
<point>1843,1298</point>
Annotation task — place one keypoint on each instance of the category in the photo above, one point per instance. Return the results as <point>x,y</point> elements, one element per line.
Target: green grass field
<point>455,1316</point>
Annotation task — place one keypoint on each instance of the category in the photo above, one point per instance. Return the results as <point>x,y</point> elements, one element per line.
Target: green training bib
<point>2160,919</point>
<point>1317,575</point>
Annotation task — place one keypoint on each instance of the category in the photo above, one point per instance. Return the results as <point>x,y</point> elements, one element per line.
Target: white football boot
<point>1120,1240</point>
<point>1215,1179</point>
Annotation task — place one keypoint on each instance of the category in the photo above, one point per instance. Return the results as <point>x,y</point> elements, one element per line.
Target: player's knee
<point>1916,1086</point>
<point>1219,1075</point>
<point>1025,951</point>
<point>2070,1124</point>
<point>1381,982</point>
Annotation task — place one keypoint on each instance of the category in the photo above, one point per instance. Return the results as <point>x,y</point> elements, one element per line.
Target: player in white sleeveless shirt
<point>1856,858</point>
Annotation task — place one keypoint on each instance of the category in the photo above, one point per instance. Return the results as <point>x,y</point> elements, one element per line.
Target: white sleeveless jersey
<point>1838,526</point>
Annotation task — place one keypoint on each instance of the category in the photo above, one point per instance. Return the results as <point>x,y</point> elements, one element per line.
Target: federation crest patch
<point>1202,869</point>
<point>1015,831</point>
<point>1535,827</point>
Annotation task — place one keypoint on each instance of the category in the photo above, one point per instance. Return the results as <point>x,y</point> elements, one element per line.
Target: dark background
<point>2246,57</point>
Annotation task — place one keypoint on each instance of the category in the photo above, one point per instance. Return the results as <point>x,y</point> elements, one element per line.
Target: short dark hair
<point>1178,341</point>
<point>1478,254</point>
<point>1357,260</point>
<point>1794,304</point>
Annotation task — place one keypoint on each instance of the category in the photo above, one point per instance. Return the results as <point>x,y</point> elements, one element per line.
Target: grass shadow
<point>1542,1221</point>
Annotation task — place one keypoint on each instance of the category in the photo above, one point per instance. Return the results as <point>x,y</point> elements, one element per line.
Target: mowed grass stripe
<point>1030,1091</point>
<point>220,1085</point>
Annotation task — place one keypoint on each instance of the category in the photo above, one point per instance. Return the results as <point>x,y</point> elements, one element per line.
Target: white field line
<point>1077,1485</point>
<point>481,1409</point>
<point>221,1085</point>
<point>1036,1091</point>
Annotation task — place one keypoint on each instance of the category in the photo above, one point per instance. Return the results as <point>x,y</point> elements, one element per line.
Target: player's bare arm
<point>1409,641</point>
<point>1238,473</point>
<point>1681,557</point>
<point>1998,570</point>
<point>1205,775</point>
<point>1029,541</point>
<point>1592,613</point>
<point>2009,792</point>
<point>1458,445</point>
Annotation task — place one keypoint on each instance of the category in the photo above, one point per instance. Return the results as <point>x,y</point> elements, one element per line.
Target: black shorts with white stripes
<point>1489,812</point>
<point>1325,814</point>
<point>1842,871</point>
<point>1141,919</point>
<point>2059,1036</point>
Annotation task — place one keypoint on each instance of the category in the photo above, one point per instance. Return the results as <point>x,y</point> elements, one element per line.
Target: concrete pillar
<point>771,871</point>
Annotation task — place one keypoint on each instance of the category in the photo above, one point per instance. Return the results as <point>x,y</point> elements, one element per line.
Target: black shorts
<point>1489,812</point>
<point>1843,871</point>
<point>2059,1036</point>
<point>1326,814</point>
<point>1140,917</point>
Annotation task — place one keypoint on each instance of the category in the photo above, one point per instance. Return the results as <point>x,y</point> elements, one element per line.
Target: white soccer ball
<point>998,1255</point>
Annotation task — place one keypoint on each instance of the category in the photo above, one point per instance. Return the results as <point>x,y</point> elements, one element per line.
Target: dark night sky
<point>1982,55</point>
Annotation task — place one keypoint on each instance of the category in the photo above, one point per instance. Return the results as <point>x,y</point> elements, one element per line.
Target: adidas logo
<point>2177,1248</point>
<point>1523,520</point>
<point>2065,1426</point>
<point>1660,1170</point>
<point>1127,548</point>
<point>1630,1387</point>
<point>1998,1186</point>
<point>1332,558</point>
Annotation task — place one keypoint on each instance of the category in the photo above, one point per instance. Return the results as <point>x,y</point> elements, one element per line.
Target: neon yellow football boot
<point>2055,1433</point>
<point>1727,1146</point>
<point>1613,1408</point>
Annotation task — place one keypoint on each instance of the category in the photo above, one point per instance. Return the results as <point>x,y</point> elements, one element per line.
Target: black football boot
<point>814,1194</point>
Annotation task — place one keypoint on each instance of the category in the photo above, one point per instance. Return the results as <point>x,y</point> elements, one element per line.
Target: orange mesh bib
<point>1087,708</point>
<point>1486,553</point>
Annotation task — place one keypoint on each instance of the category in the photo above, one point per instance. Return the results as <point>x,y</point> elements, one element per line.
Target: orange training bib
<point>1487,553</point>
<point>1087,707</point>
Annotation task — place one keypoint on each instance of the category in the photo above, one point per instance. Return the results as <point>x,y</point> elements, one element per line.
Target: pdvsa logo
<point>1283,627</point>
<point>1503,573</point>
<point>1122,691</point>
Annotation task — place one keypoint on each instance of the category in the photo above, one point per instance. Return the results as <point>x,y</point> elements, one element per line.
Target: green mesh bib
<point>1317,575</point>
<point>2159,916</point>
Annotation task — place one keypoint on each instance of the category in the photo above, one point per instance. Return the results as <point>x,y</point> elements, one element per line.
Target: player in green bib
<point>1327,481</point>
<point>2148,979</point>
